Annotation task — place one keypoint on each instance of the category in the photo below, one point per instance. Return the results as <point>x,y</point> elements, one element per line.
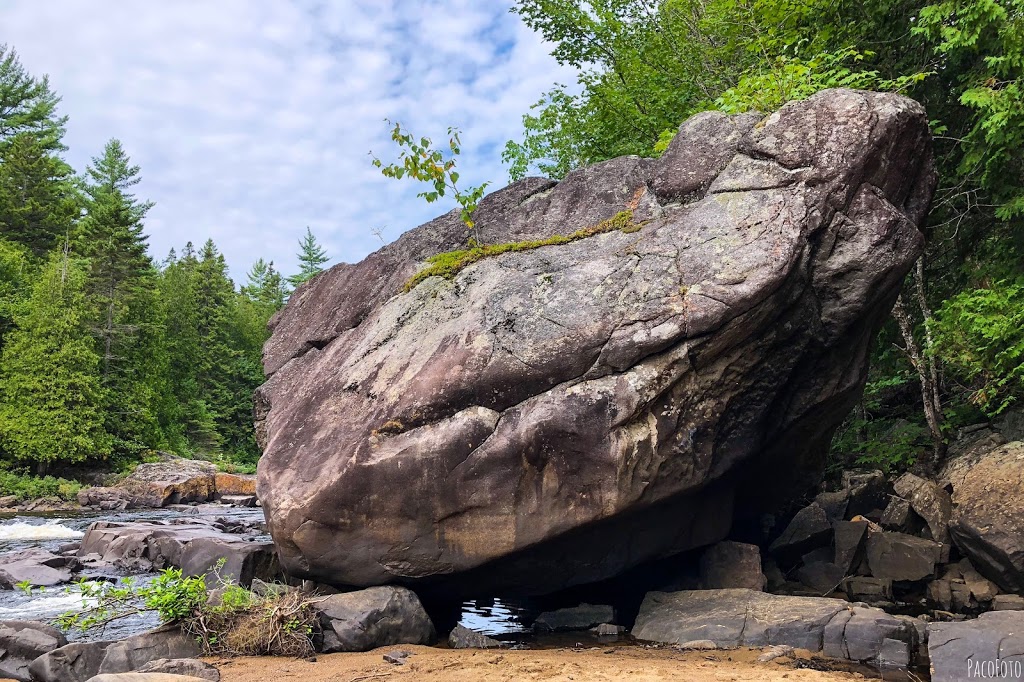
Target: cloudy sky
<point>252,119</point>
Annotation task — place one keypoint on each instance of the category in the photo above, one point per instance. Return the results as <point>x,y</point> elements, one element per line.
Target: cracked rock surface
<point>555,416</point>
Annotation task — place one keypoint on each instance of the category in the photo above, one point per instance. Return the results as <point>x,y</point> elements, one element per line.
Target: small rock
<point>809,529</point>
<point>866,589</point>
<point>699,645</point>
<point>397,657</point>
<point>867,491</point>
<point>464,638</point>
<point>981,589</point>
<point>1008,602</point>
<point>239,500</point>
<point>773,652</point>
<point>582,617</point>
<point>371,618</point>
<point>608,630</point>
<point>189,667</point>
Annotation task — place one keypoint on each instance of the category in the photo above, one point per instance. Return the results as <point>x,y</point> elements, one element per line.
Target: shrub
<point>28,487</point>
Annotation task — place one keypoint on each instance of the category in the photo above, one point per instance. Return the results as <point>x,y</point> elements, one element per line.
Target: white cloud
<point>253,118</point>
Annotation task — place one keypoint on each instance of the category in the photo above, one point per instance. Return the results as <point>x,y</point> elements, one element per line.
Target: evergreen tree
<point>38,199</point>
<point>311,257</point>
<point>27,105</point>
<point>265,285</point>
<point>121,290</point>
<point>15,274</point>
<point>51,401</point>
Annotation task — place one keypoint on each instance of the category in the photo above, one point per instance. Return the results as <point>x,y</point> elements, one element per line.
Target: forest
<point>108,354</point>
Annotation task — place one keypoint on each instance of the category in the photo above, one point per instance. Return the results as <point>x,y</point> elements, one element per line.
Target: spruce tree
<point>27,105</point>
<point>121,291</point>
<point>51,400</point>
<point>311,256</point>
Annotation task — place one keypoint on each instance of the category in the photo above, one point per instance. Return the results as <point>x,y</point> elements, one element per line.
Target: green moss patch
<point>450,263</point>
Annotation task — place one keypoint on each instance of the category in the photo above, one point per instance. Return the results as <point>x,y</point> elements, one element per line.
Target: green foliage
<point>27,105</point>
<point>238,622</point>
<point>312,257</point>
<point>27,487</point>
<point>450,263</point>
<point>979,334</point>
<point>419,161</point>
<point>51,397</point>
<point>788,78</point>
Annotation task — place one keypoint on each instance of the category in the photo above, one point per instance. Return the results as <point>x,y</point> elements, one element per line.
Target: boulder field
<point>559,413</point>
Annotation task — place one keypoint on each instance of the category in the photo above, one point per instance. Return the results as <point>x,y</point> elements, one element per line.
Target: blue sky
<point>252,119</point>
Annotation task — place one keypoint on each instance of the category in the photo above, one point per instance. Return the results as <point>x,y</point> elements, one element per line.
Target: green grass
<point>450,263</point>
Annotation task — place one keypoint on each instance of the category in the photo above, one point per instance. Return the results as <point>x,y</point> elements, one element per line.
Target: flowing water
<point>50,531</point>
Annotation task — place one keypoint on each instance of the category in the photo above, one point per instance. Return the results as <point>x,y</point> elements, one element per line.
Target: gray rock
<point>106,499</point>
<point>981,589</point>
<point>731,618</point>
<point>698,645</point>
<point>897,516</point>
<point>582,617</point>
<point>866,491</point>
<point>731,564</point>
<point>37,567</point>
<point>931,503</point>
<point>897,556</point>
<point>188,667</point>
<point>940,594</point>
<point>464,638</point>
<point>848,540</point>
<point>239,500</point>
<point>543,411</point>
<point>80,661</point>
<point>196,547</point>
<point>1008,602</point>
<point>608,630</point>
<point>867,589</point>
<point>700,151</point>
<point>988,647</point>
<point>987,524</point>
<point>834,504</point>
<point>23,641</point>
<point>823,577</point>
<point>773,652</point>
<point>371,618</point>
<point>397,657</point>
<point>810,528</point>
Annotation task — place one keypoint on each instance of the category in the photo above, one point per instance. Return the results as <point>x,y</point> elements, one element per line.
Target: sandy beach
<point>605,664</point>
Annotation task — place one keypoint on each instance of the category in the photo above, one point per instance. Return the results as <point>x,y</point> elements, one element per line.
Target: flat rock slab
<point>988,647</point>
<point>582,617</point>
<point>530,423</point>
<point>732,618</point>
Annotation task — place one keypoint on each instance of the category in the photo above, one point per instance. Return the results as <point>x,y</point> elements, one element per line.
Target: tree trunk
<point>930,399</point>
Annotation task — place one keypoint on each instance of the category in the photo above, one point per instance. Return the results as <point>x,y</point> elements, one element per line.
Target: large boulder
<point>987,524</point>
<point>530,423</point>
<point>731,564</point>
<point>988,647</point>
<point>80,661</point>
<point>173,481</point>
<point>196,547</point>
<point>36,567</point>
<point>23,641</point>
<point>371,618</point>
<point>738,617</point>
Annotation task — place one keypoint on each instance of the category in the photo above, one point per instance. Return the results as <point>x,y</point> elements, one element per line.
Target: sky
<point>252,119</point>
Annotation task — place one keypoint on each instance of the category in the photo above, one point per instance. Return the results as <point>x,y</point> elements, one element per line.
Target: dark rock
<point>189,667</point>
<point>397,657</point>
<point>774,577</point>
<point>981,589</point>
<point>371,618</point>
<point>933,504</point>
<point>1008,602</point>
<point>464,638</point>
<point>848,540</point>
<point>529,424</point>
<point>239,500</point>
<point>80,661</point>
<point>23,641</point>
<point>731,564</point>
<point>37,567</point>
<point>961,596</point>
<point>195,546</point>
<point>940,594</point>
<point>824,577</point>
<point>898,516</point>
<point>866,492</point>
<point>731,618</point>
<point>608,630</point>
<point>174,481</point>
<point>834,504</point>
<point>810,528</point>
<point>988,647</point>
<point>870,590</point>
<point>987,525</point>
<point>897,556</point>
<point>582,617</point>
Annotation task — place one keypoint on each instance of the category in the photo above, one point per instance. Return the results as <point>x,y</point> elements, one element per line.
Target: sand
<point>606,664</point>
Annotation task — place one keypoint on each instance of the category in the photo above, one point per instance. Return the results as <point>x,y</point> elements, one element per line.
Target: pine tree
<point>15,274</point>
<point>38,199</point>
<point>27,105</point>
<point>51,400</point>
<point>121,290</point>
<point>265,285</point>
<point>311,257</point>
